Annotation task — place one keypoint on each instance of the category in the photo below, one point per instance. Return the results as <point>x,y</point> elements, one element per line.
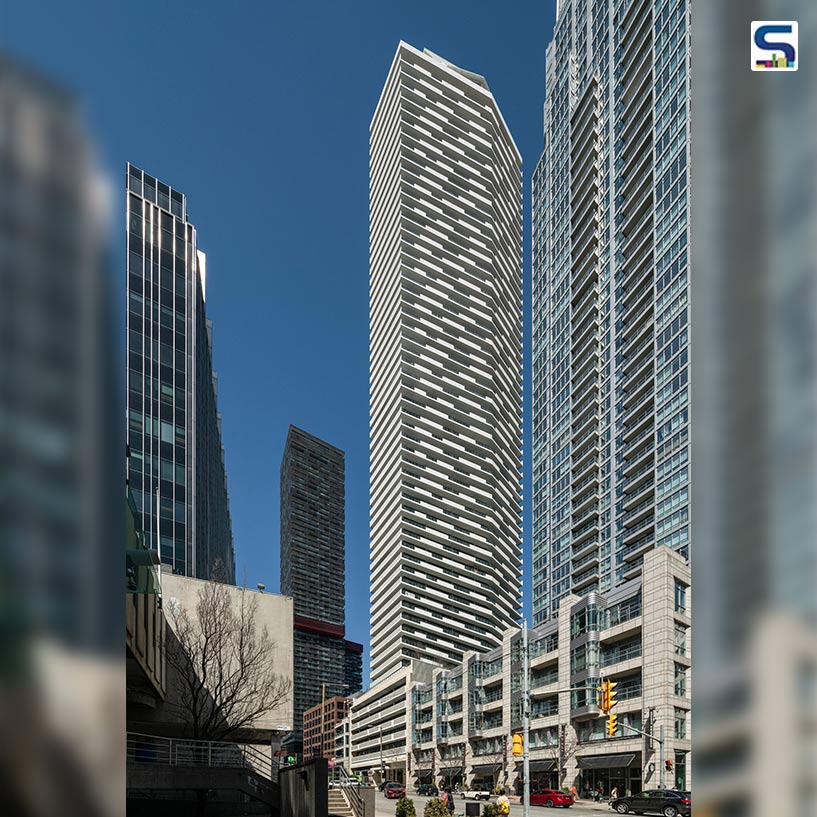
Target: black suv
<point>668,802</point>
<point>427,790</point>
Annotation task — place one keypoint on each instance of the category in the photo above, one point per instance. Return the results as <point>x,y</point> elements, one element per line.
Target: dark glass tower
<point>313,567</point>
<point>176,464</point>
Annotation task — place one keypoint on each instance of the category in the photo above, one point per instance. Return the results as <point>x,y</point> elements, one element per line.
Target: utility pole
<point>525,719</point>
<point>661,755</point>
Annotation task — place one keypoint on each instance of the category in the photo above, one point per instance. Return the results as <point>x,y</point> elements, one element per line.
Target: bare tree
<point>563,754</point>
<point>225,664</point>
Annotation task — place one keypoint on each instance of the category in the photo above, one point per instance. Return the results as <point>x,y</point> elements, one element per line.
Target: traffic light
<point>668,765</point>
<point>518,745</point>
<point>607,696</point>
<point>290,758</point>
<point>612,725</point>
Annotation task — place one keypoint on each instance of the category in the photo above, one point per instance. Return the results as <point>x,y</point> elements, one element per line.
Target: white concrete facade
<point>455,725</point>
<point>445,367</point>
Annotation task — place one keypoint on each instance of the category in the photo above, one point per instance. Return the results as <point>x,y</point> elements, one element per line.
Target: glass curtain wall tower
<point>610,292</point>
<point>445,297</point>
<point>176,463</point>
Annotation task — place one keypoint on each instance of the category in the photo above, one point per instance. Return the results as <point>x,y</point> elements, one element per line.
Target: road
<point>385,808</point>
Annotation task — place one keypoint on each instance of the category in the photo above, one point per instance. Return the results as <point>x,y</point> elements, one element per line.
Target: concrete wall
<point>305,789</point>
<point>273,612</point>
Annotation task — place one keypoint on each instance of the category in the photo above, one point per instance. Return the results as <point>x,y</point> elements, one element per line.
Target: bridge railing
<point>142,748</point>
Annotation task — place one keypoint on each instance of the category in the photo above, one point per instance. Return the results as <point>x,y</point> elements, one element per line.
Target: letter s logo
<point>786,47</point>
<point>774,45</point>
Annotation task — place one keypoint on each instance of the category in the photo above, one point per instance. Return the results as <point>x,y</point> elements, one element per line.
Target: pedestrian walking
<point>614,793</point>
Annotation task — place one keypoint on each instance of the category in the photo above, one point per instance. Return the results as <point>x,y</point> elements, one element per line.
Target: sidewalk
<point>604,805</point>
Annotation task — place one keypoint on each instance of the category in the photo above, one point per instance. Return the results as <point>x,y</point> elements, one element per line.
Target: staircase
<point>338,807</point>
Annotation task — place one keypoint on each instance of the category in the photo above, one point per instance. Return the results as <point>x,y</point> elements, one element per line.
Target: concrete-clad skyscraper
<point>610,291</point>
<point>176,463</point>
<point>445,366</point>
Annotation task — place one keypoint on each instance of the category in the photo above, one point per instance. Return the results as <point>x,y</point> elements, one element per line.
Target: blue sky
<point>259,112</point>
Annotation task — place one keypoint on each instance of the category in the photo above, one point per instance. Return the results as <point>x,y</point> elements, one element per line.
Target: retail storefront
<point>543,774</point>
<point>450,776</point>
<point>601,773</point>
<point>485,776</point>
<point>424,776</point>
<point>393,771</point>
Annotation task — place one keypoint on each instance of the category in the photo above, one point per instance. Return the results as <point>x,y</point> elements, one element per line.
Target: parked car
<point>668,802</point>
<point>551,798</point>
<point>427,790</point>
<point>477,794</point>
<point>394,790</point>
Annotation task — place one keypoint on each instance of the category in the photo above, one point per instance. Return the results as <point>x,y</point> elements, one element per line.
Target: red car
<point>550,798</point>
<point>394,790</point>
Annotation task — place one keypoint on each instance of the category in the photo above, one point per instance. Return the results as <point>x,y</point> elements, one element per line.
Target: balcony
<point>586,531</point>
<point>588,546</point>
<point>637,423</point>
<point>581,420</point>
<point>642,366</point>
<point>586,467</point>
<point>632,533</point>
<point>643,490</point>
<point>638,513</point>
<point>582,279</point>
<point>636,389</point>
<point>584,503</point>
<point>639,547</point>
<point>617,654</point>
<point>592,479</point>
<point>582,580</point>
<point>591,558</point>
<point>638,460</point>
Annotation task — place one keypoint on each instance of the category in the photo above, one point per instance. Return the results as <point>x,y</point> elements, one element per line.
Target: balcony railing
<point>616,654</point>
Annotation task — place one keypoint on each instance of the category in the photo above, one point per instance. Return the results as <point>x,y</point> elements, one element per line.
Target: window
<point>680,724</point>
<point>680,639</point>
<point>680,680</point>
<point>680,597</point>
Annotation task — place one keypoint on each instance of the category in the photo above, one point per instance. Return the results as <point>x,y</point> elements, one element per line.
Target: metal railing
<point>339,778</point>
<point>143,748</point>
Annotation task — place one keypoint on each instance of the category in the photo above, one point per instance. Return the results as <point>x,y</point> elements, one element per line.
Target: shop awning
<point>538,765</point>
<point>422,772</point>
<point>486,768</point>
<point>449,770</point>
<point>606,761</point>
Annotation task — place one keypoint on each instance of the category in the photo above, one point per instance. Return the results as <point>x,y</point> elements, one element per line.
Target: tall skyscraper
<point>176,463</point>
<point>313,499</point>
<point>610,291</point>
<point>445,366</point>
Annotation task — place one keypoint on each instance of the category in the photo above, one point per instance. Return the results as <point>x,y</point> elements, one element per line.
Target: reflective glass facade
<point>610,291</point>
<point>176,463</point>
